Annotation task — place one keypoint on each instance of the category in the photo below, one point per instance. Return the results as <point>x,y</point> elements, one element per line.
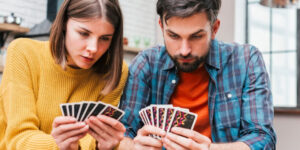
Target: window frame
<point>279,109</point>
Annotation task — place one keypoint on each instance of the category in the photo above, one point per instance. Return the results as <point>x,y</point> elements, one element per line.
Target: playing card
<point>70,109</point>
<point>113,112</point>
<point>76,109</point>
<point>148,115</point>
<point>145,116</point>
<point>89,110</point>
<point>183,119</point>
<point>98,109</point>
<point>63,108</point>
<point>182,109</point>
<point>148,112</point>
<point>82,110</point>
<point>169,116</point>
<point>161,115</point>
<point>154,115</point>
<point>142,117</point>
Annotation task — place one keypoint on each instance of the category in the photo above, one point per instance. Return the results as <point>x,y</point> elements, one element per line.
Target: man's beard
<point>188,67</point>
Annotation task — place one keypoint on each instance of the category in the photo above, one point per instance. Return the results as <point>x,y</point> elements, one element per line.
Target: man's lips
<point>186,60</point>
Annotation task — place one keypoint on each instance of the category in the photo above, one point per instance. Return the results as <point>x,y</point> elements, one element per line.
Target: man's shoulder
<point>236,48</point>
<point>151,55</point>
<point>155,52</point>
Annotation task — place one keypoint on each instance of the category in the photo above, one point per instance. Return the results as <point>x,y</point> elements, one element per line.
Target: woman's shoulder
<point>26,46</point>
<point>124,67</point>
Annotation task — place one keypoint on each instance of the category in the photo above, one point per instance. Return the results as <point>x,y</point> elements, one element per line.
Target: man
<point>227,85</point>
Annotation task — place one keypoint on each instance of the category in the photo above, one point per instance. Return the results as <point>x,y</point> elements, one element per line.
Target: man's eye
<point>174,36</point>
<point>197,36</point>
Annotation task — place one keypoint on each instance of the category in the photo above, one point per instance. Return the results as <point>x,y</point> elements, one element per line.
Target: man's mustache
<point>184,57</point>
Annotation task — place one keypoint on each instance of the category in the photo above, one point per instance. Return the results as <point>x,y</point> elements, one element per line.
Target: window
<point>274,32</point>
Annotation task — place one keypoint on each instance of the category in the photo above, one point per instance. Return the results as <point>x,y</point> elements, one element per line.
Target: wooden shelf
<point>6,27</point>
<point>131,49</point>
<point>291,111</point>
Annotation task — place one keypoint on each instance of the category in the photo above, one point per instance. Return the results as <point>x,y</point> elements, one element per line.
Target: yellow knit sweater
<point>32,88</point>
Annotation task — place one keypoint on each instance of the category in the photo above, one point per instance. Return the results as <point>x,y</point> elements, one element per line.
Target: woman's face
<point>87,40</point>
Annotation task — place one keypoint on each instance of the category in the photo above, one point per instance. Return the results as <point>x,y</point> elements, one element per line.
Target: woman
<point>81,61</point>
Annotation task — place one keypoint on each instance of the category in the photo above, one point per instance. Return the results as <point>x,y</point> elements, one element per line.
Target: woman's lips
<point>87,59</point>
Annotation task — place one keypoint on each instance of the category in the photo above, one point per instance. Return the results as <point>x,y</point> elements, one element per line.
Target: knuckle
<point>121,136</point>
<point>190,143</point>
<point>193,134</point>
<point>115,142</point>
<point>136,139</point>
<point>115,123</point>
<point>140,131</point>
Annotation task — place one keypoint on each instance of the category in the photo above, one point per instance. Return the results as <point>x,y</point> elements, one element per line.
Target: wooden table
<point>6,29</point>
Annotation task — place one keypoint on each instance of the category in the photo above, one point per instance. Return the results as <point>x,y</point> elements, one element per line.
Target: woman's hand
<point>67,132</point>
<point>106,130</point>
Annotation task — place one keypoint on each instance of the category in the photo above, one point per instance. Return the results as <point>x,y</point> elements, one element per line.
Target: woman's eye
<point>104,38</point>
<point>84,34</point>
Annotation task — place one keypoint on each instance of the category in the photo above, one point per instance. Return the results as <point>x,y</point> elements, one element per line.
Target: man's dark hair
<point>186,8</point>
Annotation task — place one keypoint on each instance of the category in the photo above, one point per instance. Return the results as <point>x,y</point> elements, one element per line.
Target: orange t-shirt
<point>192,93</point>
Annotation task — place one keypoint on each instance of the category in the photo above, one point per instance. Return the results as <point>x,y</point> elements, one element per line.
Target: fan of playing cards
<point>167,116</point>
<point>85,109</point>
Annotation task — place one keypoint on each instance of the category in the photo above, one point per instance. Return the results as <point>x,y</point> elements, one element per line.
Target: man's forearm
<point>126,144</point>
<point>229,146</point>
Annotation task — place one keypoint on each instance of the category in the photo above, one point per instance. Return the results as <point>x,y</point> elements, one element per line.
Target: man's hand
<point>144,141</point>
<point>106,130</point>
<point>185,139</point>
<point>67,132</point>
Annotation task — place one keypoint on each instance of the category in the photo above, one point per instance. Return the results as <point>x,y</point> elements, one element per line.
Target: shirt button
<point>173,81</point>
<point>229,95</point>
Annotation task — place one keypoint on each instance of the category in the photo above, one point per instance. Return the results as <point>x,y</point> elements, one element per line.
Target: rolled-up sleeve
<point>257,107</point>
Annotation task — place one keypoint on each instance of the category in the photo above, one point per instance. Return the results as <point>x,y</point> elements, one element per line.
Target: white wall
<point>287,128</point>
<point>232,17</point>
<point>32,11</point>
<point>139,21</point>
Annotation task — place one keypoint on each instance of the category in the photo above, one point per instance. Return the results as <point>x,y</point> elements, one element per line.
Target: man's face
<point>188,39</point>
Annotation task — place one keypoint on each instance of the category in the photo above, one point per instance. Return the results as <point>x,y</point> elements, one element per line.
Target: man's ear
<point>215,28</point>
<point>161,24</point>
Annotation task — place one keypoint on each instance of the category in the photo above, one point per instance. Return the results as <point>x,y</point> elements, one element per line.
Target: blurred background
<point>270,25</point>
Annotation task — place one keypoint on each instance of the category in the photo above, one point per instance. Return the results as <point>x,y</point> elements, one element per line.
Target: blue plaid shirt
<point>239,98</point>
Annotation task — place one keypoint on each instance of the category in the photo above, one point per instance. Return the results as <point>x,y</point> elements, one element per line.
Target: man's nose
<point>185,48</point>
